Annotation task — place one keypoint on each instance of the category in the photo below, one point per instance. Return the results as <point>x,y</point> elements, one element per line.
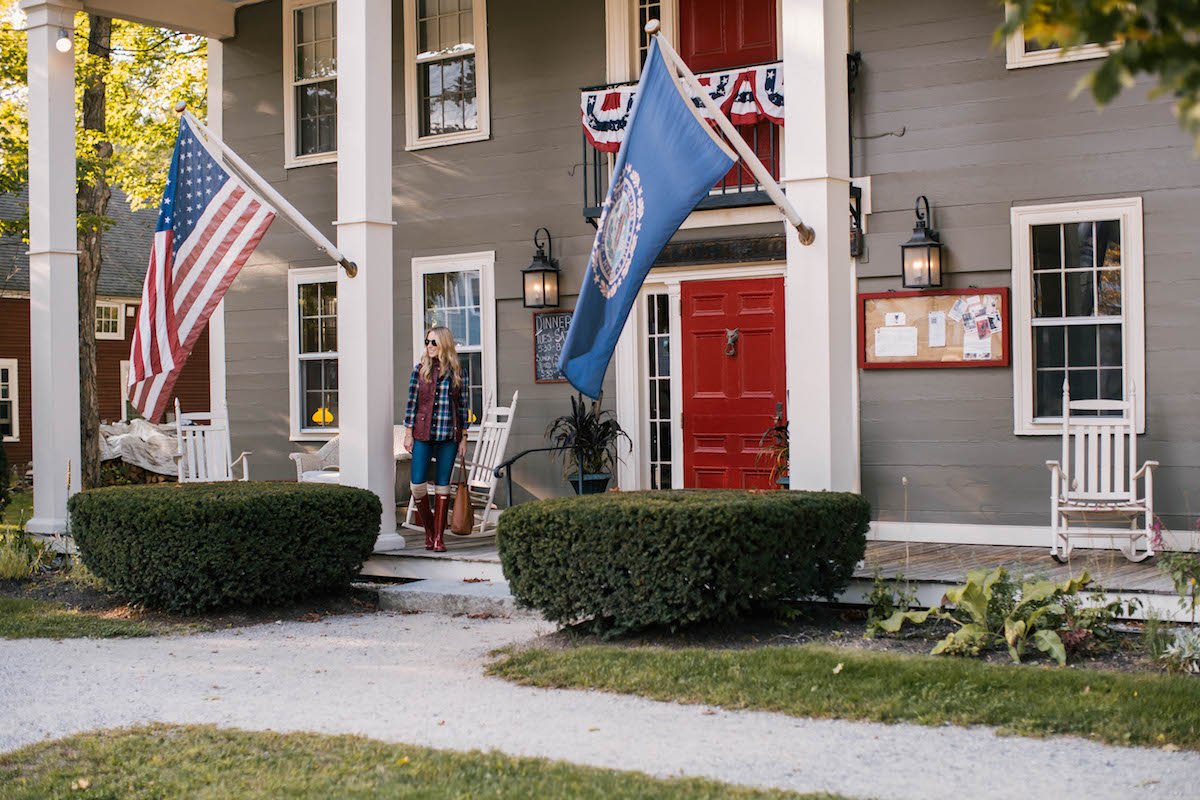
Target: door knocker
<point>731,337</point>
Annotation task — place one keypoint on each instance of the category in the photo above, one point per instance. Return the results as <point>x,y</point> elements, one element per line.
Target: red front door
<point>721,34</point>
<point>733,379</point>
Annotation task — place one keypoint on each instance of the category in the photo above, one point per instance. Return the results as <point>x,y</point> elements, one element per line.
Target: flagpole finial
<point>653,27</point>
<point>180,107</point>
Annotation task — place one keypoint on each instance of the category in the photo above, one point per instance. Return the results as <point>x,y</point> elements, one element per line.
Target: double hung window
<point>1077,287</point>
<point>312,336</point>
<point>10,430</point>
<point>446,85</point>
<point>457,292</point>
<point>110,321</point>
<point>310,91</point>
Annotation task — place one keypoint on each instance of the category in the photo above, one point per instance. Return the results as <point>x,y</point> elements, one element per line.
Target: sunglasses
<point>431,342</point>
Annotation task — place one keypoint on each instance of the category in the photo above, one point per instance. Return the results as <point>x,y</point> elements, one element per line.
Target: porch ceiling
<point>213,18</point>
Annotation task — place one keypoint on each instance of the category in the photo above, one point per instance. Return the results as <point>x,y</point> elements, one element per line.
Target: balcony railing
<point>736,188</point>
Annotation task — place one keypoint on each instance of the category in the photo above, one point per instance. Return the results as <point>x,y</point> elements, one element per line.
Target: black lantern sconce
<point>540,278</point>
<point>921,256</point>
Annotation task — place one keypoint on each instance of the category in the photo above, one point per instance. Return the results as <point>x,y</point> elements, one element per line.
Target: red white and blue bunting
<point>745,94</point>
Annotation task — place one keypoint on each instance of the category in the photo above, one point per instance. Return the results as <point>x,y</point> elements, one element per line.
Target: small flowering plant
<point>1183,566</point>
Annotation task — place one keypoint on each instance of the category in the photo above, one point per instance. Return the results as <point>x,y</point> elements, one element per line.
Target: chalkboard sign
<point>549,334</point>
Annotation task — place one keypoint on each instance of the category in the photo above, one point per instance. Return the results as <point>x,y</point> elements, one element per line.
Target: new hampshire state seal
<point>617,237</point>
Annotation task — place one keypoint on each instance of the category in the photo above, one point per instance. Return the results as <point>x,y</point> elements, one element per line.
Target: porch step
<point>449,597</point>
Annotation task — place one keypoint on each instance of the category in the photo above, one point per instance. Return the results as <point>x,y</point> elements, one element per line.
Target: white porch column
<point>216,323</point>
<point>821,371</point>
<point>364,170</point>
<point>53,263</point>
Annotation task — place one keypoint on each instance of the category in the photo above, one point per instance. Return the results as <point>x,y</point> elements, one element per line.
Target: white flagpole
<point>283,206</point>
<point>756,167</point>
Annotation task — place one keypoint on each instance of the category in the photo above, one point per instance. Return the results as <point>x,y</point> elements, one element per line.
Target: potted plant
<point>592,436</point>
<point>773,446</point>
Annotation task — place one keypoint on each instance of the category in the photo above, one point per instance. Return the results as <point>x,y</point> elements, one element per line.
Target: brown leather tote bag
<point>462,520</point>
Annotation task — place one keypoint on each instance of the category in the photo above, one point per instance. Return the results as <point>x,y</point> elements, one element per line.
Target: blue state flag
<point>668,162</point>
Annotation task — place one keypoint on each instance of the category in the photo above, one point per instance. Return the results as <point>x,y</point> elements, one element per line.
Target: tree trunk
<point>91,204</point>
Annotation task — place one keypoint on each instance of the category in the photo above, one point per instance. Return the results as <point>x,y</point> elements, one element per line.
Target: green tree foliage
<point>148,71</point>
<point>1158,38</point>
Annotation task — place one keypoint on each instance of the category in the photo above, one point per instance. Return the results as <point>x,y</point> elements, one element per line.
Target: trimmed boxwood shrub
<point>628,560</point>
<point>189,547</point>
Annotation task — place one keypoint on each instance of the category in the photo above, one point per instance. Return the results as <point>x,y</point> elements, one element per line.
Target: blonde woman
<point>435,423</point>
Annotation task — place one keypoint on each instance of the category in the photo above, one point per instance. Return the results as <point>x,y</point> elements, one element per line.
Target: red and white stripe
<point>184,286</point>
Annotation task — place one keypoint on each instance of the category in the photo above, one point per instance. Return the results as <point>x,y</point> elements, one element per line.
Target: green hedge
<point>190,547</point>
<point>627,560</point>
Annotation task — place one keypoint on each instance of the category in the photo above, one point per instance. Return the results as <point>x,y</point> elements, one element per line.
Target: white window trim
<point>485,262</point>
<point>120,334</point>
<point>413,140</point>
<point>15,396</point>
<point>296,277</point>
<point>1023,218</point>
<point>290,159</point>
<point>1017,58</point>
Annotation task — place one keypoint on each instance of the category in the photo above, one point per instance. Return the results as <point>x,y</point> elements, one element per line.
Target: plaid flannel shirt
<point>441,427</point>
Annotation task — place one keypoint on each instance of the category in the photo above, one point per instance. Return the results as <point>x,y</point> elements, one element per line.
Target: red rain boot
<point>425,517</point>
<point>440,515</point>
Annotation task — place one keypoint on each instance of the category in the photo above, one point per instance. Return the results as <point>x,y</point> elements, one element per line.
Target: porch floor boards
<point>920,562</point>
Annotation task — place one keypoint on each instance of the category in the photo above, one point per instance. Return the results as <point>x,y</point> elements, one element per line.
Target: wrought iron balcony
<point>737,188</point>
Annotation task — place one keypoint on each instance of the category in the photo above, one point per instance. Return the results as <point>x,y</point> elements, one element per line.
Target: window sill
<point>113,337</point>
<point>1043,58</point>
<point>314,436</point>
<point>1053,429</point>
<point>308,161</point>
<point>448,139</point>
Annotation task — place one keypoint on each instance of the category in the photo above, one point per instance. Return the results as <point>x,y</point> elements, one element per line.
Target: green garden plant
<point>21,556</point>
<point>987,613</point>
<point>593,434</point>
<point>1155,635</point>
<point>624,561</point>
<point>1183,653</point>
<point>189,547</point>
<point>5,478</point>
<point>885,599</point>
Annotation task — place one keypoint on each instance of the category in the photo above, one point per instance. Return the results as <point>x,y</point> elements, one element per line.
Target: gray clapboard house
<point>432,138</point>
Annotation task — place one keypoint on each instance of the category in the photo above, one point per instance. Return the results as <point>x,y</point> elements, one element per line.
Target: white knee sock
<point>419,490</point>
<point>442,490</point>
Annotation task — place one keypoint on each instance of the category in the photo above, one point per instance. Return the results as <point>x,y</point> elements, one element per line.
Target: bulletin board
<point>934,328</point>
<point>549,336</point>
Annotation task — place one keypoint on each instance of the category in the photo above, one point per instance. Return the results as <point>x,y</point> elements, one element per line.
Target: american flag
<point>208,225</point>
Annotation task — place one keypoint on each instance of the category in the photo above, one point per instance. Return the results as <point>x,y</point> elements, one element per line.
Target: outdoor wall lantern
<point>540,278</point>
<point>921,255</point>
<point>63,43</point>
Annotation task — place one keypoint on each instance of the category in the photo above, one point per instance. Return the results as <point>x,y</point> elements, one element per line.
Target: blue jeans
<point>443,452</point>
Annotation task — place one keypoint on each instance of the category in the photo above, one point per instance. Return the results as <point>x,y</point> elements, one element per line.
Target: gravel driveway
<point>418,679</point>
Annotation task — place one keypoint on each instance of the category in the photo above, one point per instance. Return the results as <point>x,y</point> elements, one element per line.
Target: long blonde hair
<point>447,356</point>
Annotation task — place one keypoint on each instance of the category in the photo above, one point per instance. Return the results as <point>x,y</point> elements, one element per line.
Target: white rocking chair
<point>481,477</point>
<point>1101,484</point>
<point>204,449</point>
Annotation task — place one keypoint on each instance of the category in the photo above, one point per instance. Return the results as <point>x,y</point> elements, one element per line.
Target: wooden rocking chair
<point>1100,484</point>
<point>204,448</point>
<point>481,478</point>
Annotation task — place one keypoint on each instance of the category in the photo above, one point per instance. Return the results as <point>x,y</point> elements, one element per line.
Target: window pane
<point>1110,384</point>
<point>310,330</point>
<point>1048,347</point>
<point>664,438</point>
<point>1046,247</point>
<point>1109,292</point>
<point>654,456</point>
<point>1108,239</point>
<point>1081,346</point>
<point>1048,394</point>
<point>435,290</point>
<point>1077,237</point>
<point>323,64</point>
<point>6,427</point>
<point>448,31</point>
<point>1083,384</point>
<point>1079,294</point>
<point>304,24</point>
<point>428,38</point>
<point>324,15</point>
<point>329,335</point>
<point>664,399</point>
<point>427,8</point>
<point>664,356</point>
<point>1047,295</point>
<point>466,28</point>
<point>1110,345</point>
<point>328,295</point>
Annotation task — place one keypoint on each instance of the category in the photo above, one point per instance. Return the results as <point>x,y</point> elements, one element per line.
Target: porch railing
<point>736,188</point>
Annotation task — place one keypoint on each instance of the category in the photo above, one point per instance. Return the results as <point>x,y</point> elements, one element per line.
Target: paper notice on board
<point>993,316</point>
<point>894,319</point>
<point>956,310</point>
<point>976,348</point>
<point>893,342</point>
<point>937,328</point>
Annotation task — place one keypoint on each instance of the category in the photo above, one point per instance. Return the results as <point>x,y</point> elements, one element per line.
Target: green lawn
<point>205,762</point>
<point>23,618</point>
<point>18,510</point>
<point>831,682</point>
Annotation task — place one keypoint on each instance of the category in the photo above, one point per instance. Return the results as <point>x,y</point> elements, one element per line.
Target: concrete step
<point>449,596</point>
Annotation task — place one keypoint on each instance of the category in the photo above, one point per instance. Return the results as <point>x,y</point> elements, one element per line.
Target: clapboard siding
<point>978,140</point>
<point>14,343</point>
<point>489,195</point>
